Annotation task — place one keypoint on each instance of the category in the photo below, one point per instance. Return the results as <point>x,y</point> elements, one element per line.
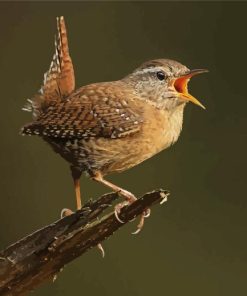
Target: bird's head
<point>164,82</point>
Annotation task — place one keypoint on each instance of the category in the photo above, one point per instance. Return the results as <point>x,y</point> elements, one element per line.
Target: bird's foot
<point>118,208</point>
<point>144,215</point>
<point>67,212</point>
<point>129,199</point>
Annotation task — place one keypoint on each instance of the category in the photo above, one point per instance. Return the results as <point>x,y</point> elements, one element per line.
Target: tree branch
<point>41,255</point>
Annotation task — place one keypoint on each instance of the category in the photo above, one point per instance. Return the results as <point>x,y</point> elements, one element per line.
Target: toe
<point>128,195</point>
<point>117,217</point>
<point>147,213</point>
<point>144,215</point>
<point>65,212</point>
<point>99,246</point>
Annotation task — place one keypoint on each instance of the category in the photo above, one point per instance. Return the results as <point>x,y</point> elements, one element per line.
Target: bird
<point>109,127</point>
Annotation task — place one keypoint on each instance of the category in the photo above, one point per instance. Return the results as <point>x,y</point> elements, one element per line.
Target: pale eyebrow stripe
<point>148,70</point>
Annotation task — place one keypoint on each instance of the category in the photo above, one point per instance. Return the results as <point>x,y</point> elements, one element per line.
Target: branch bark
<point>41,255</point>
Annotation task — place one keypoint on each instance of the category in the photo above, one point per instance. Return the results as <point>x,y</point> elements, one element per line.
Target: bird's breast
<point>162,128</point>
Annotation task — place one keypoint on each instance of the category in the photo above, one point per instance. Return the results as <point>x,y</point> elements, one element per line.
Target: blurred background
<point>196,243</point>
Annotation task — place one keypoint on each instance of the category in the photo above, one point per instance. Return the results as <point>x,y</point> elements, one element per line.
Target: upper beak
<point>181,86</point>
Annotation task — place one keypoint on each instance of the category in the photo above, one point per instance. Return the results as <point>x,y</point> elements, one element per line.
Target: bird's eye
<point>160,75</point>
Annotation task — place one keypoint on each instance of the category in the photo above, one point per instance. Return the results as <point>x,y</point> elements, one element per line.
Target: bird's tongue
<point>181,86</point>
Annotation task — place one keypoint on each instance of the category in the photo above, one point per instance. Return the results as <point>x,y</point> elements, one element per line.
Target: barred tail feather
<point>59,80</point>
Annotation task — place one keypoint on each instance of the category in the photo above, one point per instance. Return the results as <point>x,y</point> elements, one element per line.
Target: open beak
<point>181,86</point>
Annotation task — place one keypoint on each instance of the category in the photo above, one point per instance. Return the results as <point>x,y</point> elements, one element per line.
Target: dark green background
<point>196,243</point>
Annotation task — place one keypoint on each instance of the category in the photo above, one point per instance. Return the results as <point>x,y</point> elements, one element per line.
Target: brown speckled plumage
<point>109,127</point>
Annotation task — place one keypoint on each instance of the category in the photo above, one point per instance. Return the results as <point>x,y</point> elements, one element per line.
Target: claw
<point>140,225</point>
<point>99,246</point>
<point>147,213</point>
<point>65,212</point>
<point>117,217</point>
<point>118,208</point>
<point>136,232</point>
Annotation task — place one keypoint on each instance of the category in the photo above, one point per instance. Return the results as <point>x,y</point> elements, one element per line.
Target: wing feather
<point>88,116</point>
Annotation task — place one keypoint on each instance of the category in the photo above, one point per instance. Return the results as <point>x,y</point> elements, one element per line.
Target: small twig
<point>42,254</point>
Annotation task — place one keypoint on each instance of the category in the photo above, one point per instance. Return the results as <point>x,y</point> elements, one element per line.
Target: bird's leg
<point>77,193</point>
<point>129,199</point>
<point>67,212</point>
<point>76,174</point>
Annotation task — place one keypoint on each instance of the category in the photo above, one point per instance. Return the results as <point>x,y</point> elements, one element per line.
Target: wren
<point>109,127</point>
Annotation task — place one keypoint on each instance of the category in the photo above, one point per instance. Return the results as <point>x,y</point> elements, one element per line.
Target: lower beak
<point>181,86</point>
